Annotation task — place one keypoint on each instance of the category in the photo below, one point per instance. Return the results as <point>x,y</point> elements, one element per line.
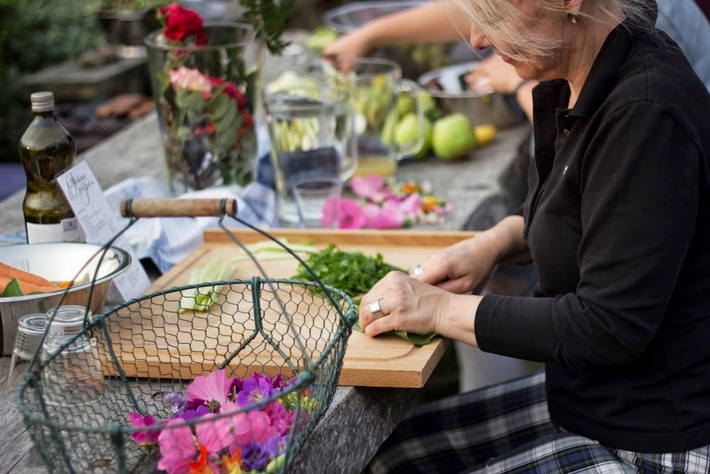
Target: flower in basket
<point>237,426</point>
<point>203,76</point>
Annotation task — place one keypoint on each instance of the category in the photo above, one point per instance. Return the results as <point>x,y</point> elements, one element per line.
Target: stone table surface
<point>359,418</point>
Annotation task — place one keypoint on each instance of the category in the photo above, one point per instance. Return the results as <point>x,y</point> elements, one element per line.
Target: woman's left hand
<point>406,304</point>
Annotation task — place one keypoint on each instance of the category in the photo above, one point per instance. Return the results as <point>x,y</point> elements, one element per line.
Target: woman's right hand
<point>466,265</point>
<point>460,268</point>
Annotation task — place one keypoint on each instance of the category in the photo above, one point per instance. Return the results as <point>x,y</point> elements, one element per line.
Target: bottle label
<point>66,231</point>
<point>72,230</point>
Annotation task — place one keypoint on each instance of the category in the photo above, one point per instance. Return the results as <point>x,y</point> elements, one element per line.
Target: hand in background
<point>355,44</point>
<point>495,74</point>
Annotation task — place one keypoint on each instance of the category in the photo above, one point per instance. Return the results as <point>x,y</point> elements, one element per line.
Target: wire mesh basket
<point>240,384</point>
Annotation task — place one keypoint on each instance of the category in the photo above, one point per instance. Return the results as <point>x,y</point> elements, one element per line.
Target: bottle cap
<point>42,101</point>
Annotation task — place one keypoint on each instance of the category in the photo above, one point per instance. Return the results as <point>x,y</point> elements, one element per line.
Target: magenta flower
<point>212,389</point>
<point>280,418</point>
<point>331,212</point>
<point>351,215</point>
<point>370,187</point>
<point>183,452</point>
<point>145,439</point>
<point>387,216</point>
<point>252,427</point>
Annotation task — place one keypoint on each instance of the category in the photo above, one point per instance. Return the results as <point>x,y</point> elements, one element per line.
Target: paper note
<point>90,207</point>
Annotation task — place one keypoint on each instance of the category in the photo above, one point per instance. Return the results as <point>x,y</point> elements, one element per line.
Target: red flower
<point>231,90</point>
<point>182,23</point>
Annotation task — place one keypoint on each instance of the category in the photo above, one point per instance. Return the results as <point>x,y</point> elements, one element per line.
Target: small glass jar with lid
<point>72,362</point>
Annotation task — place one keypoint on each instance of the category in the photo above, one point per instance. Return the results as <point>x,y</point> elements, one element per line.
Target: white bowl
<point>58,262</point>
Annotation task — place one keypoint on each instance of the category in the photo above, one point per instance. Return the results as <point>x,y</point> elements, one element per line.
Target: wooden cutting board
<point>384,361</point>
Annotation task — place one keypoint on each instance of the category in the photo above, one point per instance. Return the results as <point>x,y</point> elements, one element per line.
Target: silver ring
<point>418,270</point>
<point>376,309</point>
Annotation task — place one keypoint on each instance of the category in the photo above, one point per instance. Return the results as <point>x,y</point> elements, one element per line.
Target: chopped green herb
<point>352,272</point>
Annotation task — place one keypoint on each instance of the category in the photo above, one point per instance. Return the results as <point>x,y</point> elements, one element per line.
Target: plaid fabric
<point>506,428</point>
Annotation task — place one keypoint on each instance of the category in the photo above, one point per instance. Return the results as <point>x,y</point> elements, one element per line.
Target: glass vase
<point>206,99</point>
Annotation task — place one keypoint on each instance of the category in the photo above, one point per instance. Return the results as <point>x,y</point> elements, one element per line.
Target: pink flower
<point>410,204</point>
<point>144,438</point>
<point>281,419</point>
<point>212,388</point>
<point>184,452</point>
<point>351,216</point>
<point>369,187</point>
<point>389,216</point>
<point>331,212</point>
<point>191,80</point>
<point>249,427</point>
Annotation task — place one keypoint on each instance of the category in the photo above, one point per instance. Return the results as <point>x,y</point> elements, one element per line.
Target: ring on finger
<point>418,270</point>
<point>376,309</point>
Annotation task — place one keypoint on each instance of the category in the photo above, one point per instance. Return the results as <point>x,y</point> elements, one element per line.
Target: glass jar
<point>72,375</point>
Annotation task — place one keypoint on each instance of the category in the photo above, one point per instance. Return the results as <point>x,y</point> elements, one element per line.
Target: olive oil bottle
<point>46,149</point>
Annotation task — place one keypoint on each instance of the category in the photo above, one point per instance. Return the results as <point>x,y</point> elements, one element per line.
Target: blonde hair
<point>509,30</point>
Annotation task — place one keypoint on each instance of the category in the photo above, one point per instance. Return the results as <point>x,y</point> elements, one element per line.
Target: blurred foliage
<point>35,34</point>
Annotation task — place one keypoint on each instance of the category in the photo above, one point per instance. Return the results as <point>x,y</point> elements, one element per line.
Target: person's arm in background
<point>431,22</point>
<point>494,73</point>
<point>684,21</point>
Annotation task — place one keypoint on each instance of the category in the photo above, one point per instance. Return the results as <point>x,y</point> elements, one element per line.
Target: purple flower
<point>254,457</point>
<point>191,413</point>
<point>254,390</point>
<point>174,401</point>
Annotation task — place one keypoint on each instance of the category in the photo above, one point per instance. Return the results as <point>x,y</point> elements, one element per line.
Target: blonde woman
<point>617,225</point>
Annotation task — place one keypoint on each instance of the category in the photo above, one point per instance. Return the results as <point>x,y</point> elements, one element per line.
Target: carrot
<point>12,272</point>
<point>27,287</point>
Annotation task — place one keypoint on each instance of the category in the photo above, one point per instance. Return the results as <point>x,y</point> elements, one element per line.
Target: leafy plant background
<point>35,34</point>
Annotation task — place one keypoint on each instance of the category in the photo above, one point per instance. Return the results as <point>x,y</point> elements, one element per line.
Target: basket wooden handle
<point>178,207</point>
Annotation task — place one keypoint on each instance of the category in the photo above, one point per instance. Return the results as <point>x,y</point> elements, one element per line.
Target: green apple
<point>389,127</point>
<point>406,131</point>
<point>452,137</point>
<point>405,104</point>
<point>428,104</point>
<point>426,147</point>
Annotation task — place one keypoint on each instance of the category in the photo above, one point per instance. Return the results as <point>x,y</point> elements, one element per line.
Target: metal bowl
<point>449,87</point>
<point>58,262</point>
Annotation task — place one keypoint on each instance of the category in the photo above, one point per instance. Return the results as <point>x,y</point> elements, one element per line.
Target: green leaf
<point>193,102</point>
<point>12,289</point>
<point>228,119</point>
<point>416,339</point>
<point>220,105</point>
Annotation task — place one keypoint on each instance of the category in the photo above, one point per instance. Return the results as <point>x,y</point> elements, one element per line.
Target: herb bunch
<point>352,272</point>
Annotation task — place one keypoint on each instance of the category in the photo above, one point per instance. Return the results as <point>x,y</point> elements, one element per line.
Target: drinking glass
<point>318,201</point>
<point>74,367</point>
<point>309,114</point>
<point>30,329</point>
